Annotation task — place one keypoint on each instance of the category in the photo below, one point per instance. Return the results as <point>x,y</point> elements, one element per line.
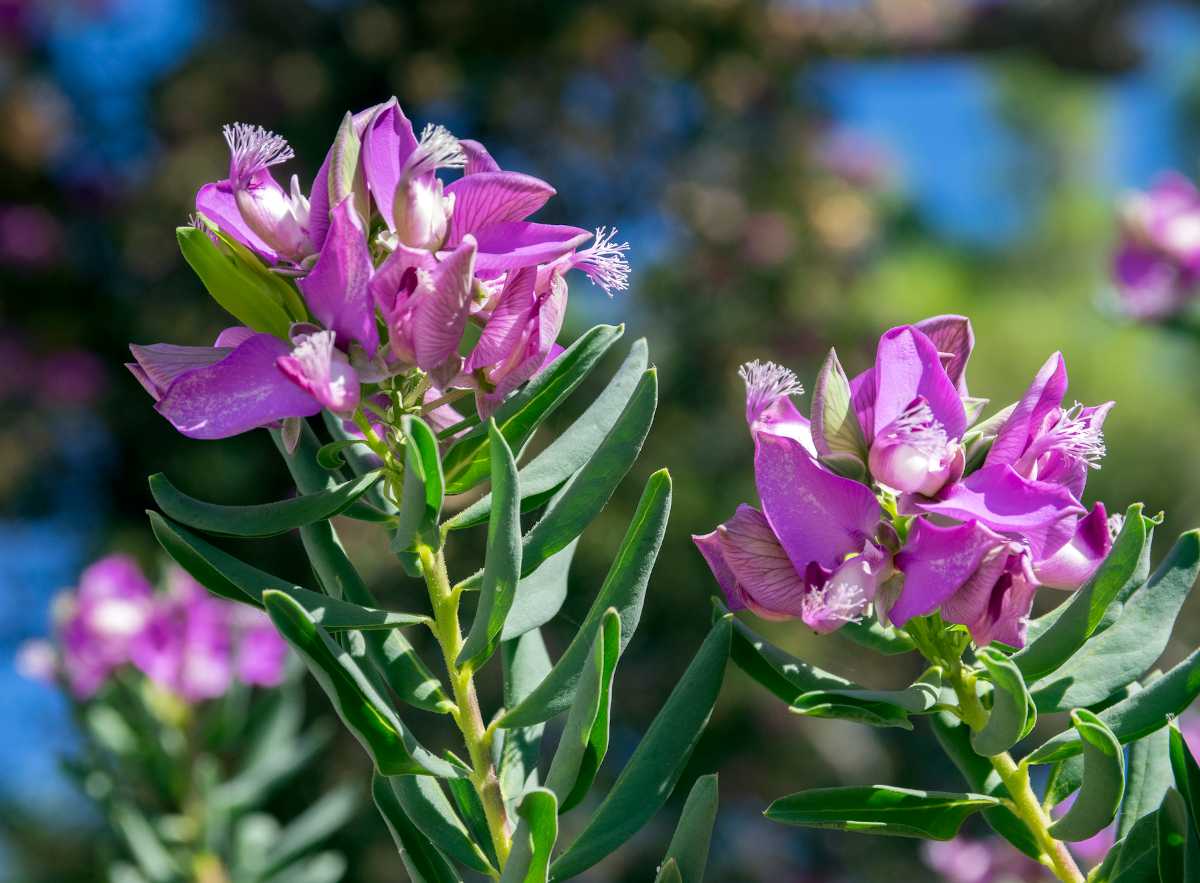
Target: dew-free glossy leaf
<point>1173,830</point>
<point>467,461</point>
<point>1103,781</point>
<point>424,862</point>
<point>1186,773</point>
<point>873,635</point>
<point>1012,709</point>
<point>1149,776</point>
<point>263,520</point>
<point>1125,650</point>
<point>584,739</point>
<point>624,589</point>
<point>880,809</point>
<point>689,844</point>
<point>540,595</point>
<point>656,764</point>
<point>525,664</point>
<point>533,842</point>
<point>391,746</point>
<point>424,484</point>
<point>426,804</point>
<point>567,454</point>
<point>1135,858</point>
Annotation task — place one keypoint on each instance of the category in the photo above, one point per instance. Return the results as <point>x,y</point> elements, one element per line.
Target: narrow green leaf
<point>356,455</point>
<point>1125,650</point>
<point>426,804</point>
<point>1173,829</point>
<point>324,867</point>
<point>533,842</point>
<point>311,828</point>
<point>1149,777</point>
<point>424,484</point>
<point>1012,708</point>
<point>833,417</point>
<point>584,739</point>
<point>406,673</point>
<point>233,284</point>
<point>624,588</point>
<point>389,743</point>
<point>567,454</point>
<point>880,809</point>
<point>1186,773</point>
<point>423,861</point>
<point>525,664</point>
<point>540,595</point>
<point>467,461</point>
<point>502,566</point>
<point>656,764</point>
<point>153,858</point>
<point>1072,623</point>
<point>1137,715</point>
<point>669,872</point>
<point>224,575</point>
<point>1135,858</point>
<point>954,737</point>
<point>264,520</point>
<point>1103,781</point>
<point>875,636</point>
<point>688,849</point>
<point>470,810</point>
<point>588,491</point>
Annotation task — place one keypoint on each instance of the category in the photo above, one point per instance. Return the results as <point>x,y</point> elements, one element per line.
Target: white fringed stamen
<point>605,263</point>
<point>767,383</point>
<point>835,601</point>
<point>315,355</point>
<point>1076,438</point>
<point>918,428</point>
<point>437,149</point>
<point>253,149</point>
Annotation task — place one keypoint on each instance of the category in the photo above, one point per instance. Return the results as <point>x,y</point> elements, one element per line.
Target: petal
<point>1003,500</point>
<point>769,584</point>
<point>508,321</point>
<point>784,418</point>
<point>514,244</point>
<point>478,158</point>
<point>1044,395</point>
<point>233,336</point>
<point>318,200</point>
<point>937,562</point>
<point>488,198</point>
<point>217,203</point>
<point>323,371</point>
<point>1075,562</point>
<point>387,143</point>
<point>818,516</point>
<point>161,364</point>
<point>954,338</point>
<point>907,366</point>
<point>995,603</point>
<point>336,290</point>
<point>441,315</point>
<point>243,391</point>
<point>713,551</point>
<point>1151,286</point>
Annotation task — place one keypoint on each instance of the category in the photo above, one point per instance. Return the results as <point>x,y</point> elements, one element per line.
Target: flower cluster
<point>390,264</point>
<point>1157,266</point>
<point>891,495</point>
<point>182,638</point>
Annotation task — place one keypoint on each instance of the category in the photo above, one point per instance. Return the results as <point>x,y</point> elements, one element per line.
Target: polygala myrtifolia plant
<point>384,300</point>
<point>178,753</point>
<point>895,518</point>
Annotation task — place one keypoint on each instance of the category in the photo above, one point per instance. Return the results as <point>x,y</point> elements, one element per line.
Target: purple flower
<point>1157,266</point>
<point>260,658</point>
<point>981,860</point>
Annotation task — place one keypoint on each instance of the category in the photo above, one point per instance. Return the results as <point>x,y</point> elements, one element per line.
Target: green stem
<point>1024,801</point>
<point>477,737</point>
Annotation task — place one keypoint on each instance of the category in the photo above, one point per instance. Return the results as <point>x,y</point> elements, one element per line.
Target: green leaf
<point>1069,625</point>
<point>880,809</point>
<point>533,842</point>
<point>540,595</point>
<point>467,461</point>
<point>424,485</point>
<point>154,860</point>
<point>1149,776</point>
<point>669,872</point>
<point>1125,650</point>
<point>1012,715</point>
<point>1103,781</point>
<point>311,828</point>
<point>264,520</point>
<point>470,810</point>
<point>324,867</point>
<point>525,663</point>
<point>345,171</point>
<point>406,673</point>
<point>233,283</point>
<point>567,454</point>
<point>423,861</point>
<point>584,739</point>
<point>356,455</point>
<point>1136,715</point>
<point>391,746</point>
<point>1173,832</point>
<point>873,635</point>
<point>688,849</point>
<point>624,588</point>
<point>587,492</point>
<point>656,764</point>
<point>425,803</point>
<point>226,576</point>
<point>1135,858</point>
<point>1186,773</point>
<point>502,567</point>
<point>954,737</point>
<point>833,417</point>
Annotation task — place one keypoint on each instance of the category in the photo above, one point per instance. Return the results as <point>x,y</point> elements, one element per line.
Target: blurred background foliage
<point>792,174</point>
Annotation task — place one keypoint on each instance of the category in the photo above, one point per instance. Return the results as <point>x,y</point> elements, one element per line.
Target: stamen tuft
<point>767,383</point>
<point>835,601</point>
<point>918,428</point>
<point>252,149</point>
<point>605,263</point>
<point>437,149</point>
<point>1076,437</point>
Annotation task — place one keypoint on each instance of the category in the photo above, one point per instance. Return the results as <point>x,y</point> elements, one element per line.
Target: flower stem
<point>1024,802</point>
<point>477,737</point>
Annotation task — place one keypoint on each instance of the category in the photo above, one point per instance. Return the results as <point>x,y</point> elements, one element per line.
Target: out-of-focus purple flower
<point>30,236</point>
<point>981,860</point>
<point>810,553</point>
<point>111,607</point>
<point>72,377</point>
<point>36,660</point>
<point>260,655</point>
<point>1157,265</point>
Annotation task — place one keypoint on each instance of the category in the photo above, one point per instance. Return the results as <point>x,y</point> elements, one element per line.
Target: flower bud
<point>422,213</point>
<point>914,455</point>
